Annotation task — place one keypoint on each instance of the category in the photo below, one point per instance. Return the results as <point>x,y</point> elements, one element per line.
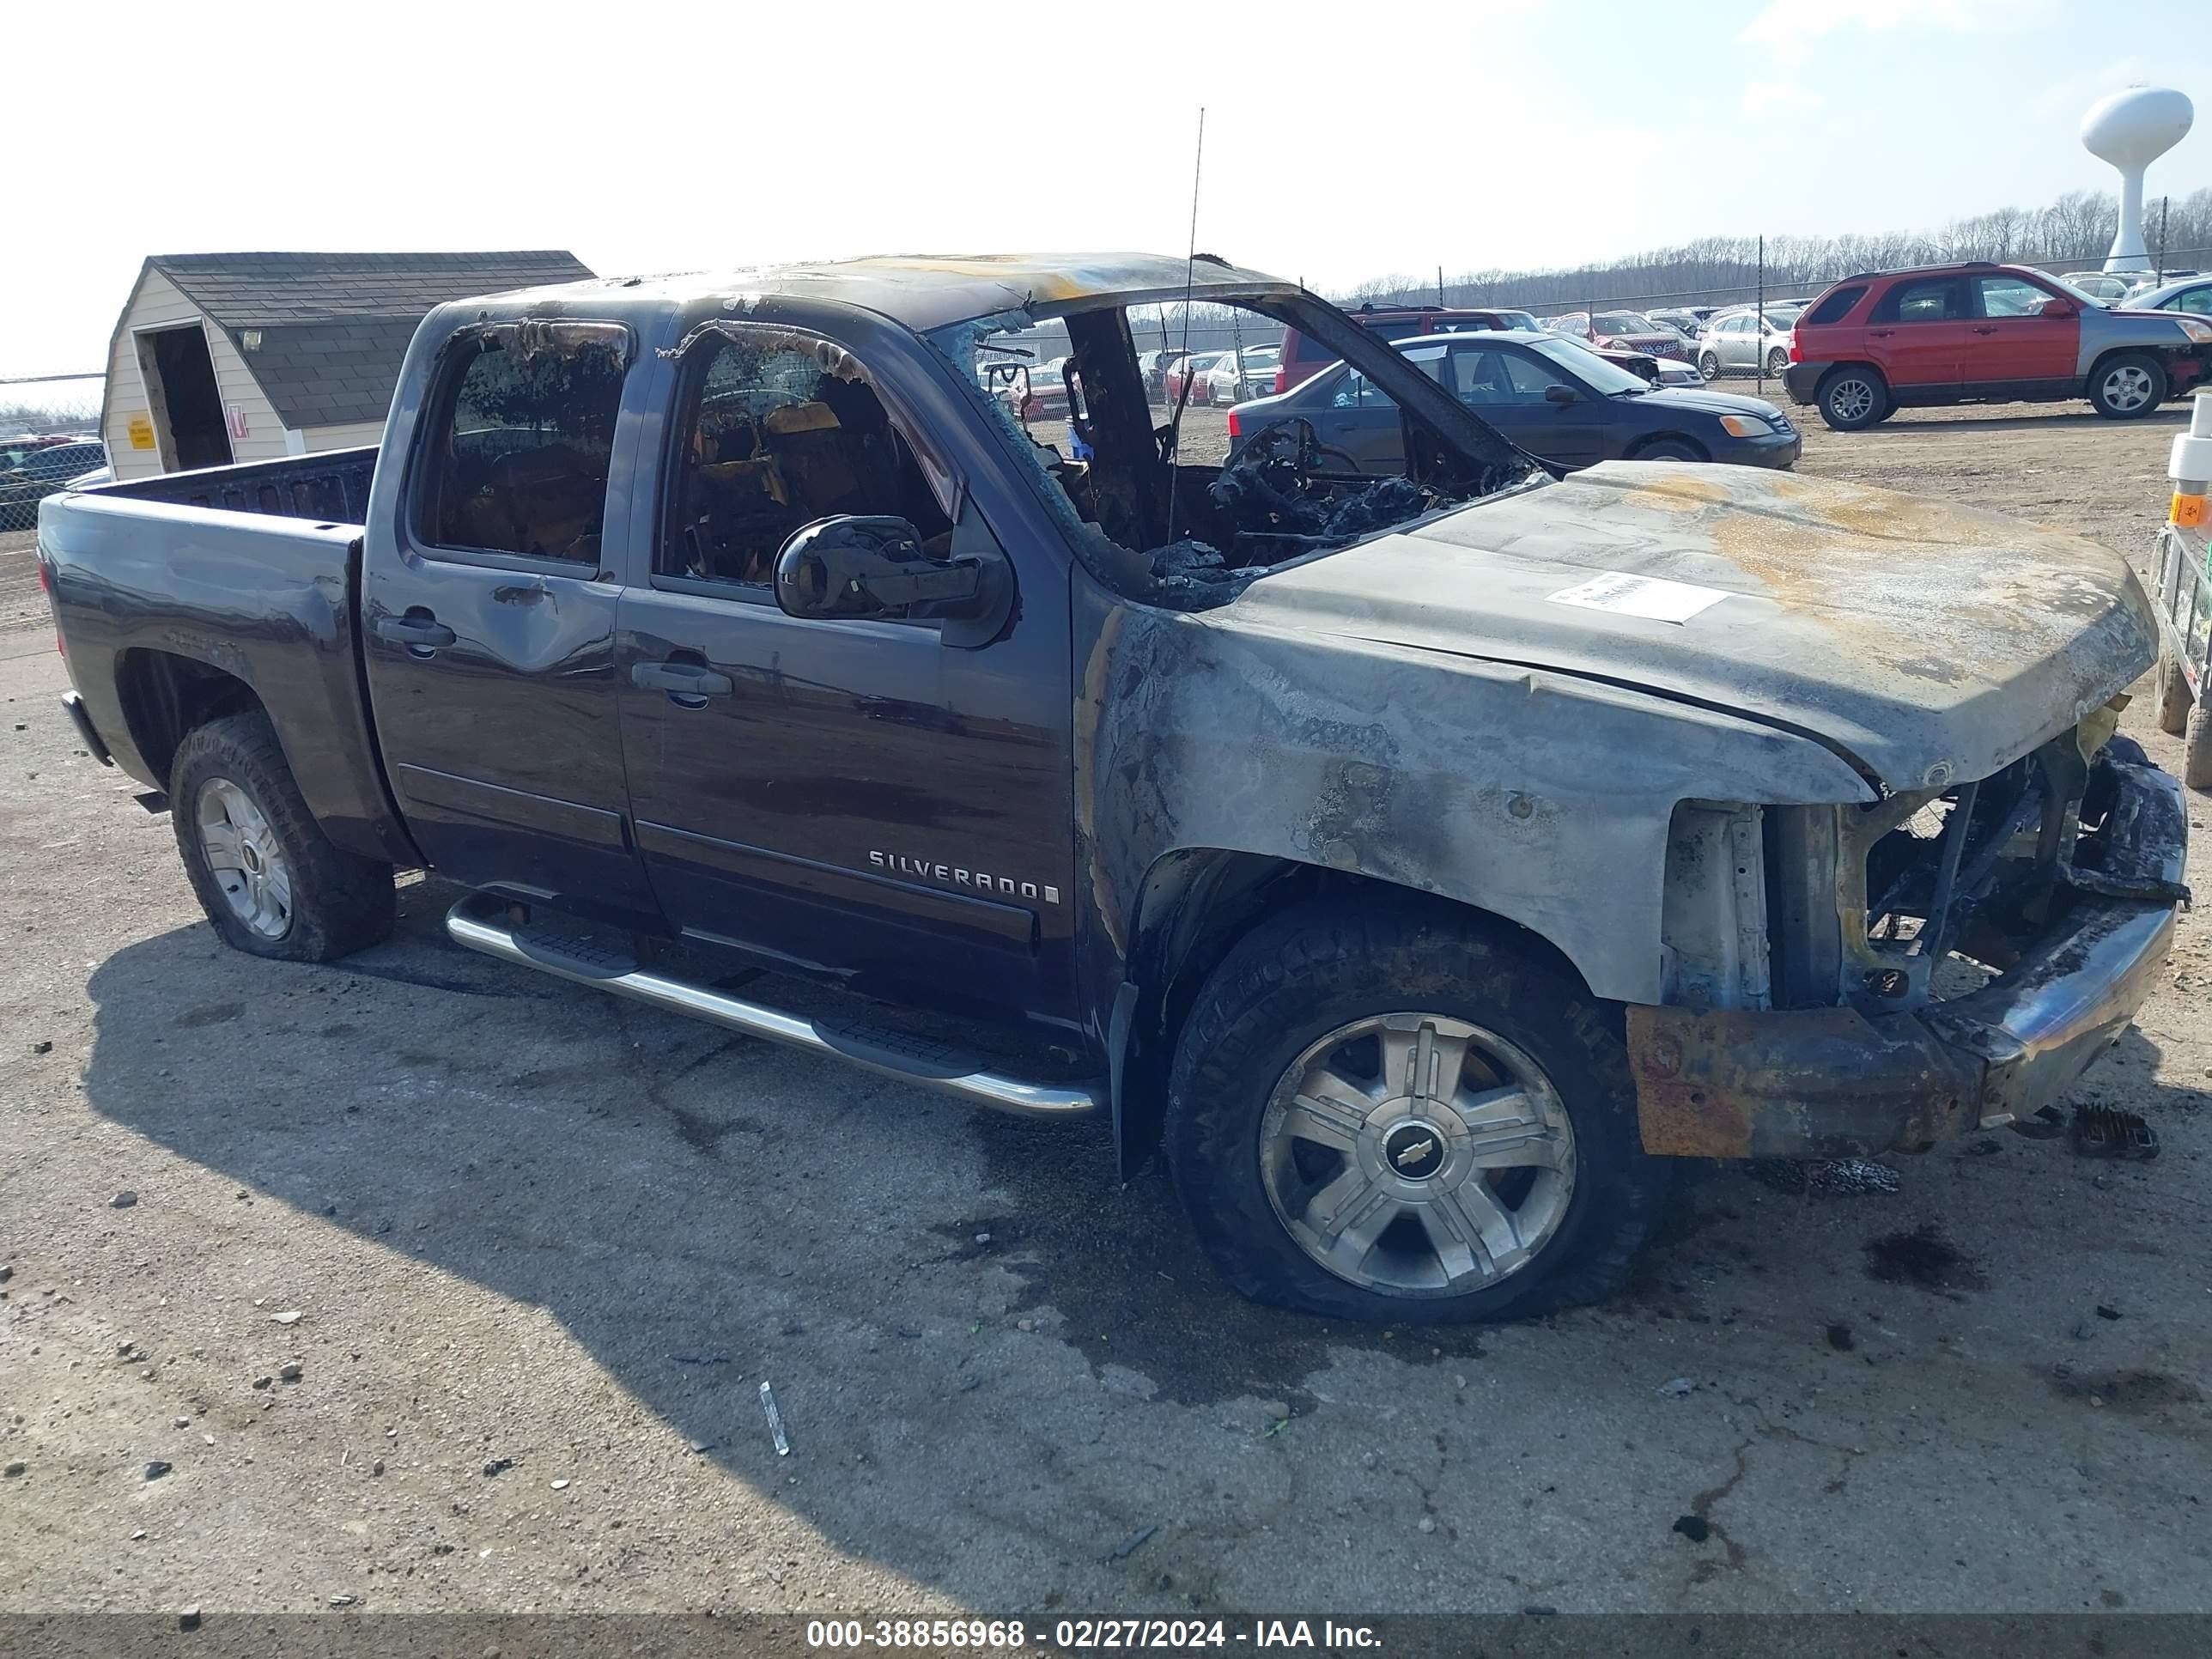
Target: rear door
<point>1917,334</point>
<point>2011,344</point>
<point>489,600</point>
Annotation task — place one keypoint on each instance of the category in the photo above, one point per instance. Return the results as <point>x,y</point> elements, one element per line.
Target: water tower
<point>2131,129</point>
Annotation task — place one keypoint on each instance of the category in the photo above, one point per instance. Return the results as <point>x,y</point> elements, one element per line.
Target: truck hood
<point>1926,643</point>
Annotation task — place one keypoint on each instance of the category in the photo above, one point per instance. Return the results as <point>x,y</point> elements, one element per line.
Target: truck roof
<point>925,291</point>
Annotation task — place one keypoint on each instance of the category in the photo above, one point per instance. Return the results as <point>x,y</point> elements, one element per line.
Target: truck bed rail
<point>330,487</point>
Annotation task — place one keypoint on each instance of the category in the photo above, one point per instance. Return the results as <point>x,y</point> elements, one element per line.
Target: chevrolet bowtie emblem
<point>1407,1157</point>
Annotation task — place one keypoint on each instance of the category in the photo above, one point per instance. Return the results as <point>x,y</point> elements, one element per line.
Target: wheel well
<point>165,697</point>
<point>2165,366</point>
<point>1835,369</point>
<point>1682,438</point>
<point>1195,906</point>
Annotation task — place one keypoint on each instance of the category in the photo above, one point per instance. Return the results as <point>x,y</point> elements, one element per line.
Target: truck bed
<point>198,592</point>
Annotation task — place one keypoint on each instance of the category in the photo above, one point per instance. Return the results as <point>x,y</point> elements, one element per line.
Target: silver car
<point>1743,341</point>
<point>2099,285</point>
<point>2191,293</point>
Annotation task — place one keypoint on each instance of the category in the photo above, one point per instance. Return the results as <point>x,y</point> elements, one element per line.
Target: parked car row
<point>32,468</point>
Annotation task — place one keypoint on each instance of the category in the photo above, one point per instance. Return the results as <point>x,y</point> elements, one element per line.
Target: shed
<point>222,358</point>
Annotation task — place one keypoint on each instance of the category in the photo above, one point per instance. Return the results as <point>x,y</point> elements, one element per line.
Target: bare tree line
<point>2070,234</point>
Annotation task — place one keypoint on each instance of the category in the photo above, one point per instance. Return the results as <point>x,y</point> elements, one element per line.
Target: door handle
<point>1880,333</point>
<point>688,684</point>
<point>1985,330</point>
<point>419,630</point>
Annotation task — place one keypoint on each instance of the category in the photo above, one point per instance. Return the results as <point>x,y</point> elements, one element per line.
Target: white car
<point>2098,285</point>
<point>1745,342</point>
<point>1247,373</point>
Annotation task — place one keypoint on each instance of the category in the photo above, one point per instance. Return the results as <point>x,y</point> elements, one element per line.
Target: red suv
<point>1872,344</point>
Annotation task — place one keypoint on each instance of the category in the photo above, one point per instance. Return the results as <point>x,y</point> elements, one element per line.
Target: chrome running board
<point>480,923</point>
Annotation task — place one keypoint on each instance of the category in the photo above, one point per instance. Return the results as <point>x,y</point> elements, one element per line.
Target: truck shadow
<point>965,1331</point>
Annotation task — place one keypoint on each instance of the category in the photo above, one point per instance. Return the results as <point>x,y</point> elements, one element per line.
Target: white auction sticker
<point>1640,595</point>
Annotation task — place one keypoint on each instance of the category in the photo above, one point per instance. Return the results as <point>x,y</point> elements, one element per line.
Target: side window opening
<point>1183,501</point>
<point>1834,307</point>
<point>526,425</point>
<point>777,431</point>
<point>1920,302</point>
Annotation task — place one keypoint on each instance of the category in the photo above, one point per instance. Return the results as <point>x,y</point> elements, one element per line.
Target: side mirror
<point>2056,308</point>
<point>851,567</point>
<point>1559,394</point>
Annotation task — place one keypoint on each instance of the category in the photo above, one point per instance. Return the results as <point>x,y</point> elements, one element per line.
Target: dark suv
<point>1874,343</point>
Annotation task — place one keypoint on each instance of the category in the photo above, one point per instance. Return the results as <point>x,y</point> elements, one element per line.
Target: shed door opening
<point>187,408</point>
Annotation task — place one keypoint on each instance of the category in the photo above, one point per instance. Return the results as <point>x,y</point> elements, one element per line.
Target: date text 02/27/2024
<point>1084,1635</point>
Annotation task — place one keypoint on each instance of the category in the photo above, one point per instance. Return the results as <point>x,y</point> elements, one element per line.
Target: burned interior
<point>1187,533</point>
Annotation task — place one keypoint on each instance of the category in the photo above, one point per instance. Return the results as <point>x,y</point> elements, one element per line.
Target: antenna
<point>1190,280</point>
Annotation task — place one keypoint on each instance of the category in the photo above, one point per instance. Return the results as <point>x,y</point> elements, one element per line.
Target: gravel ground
<point>446,1287</point>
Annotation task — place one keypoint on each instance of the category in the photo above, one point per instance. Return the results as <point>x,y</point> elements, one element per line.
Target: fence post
<point>1759,313</point>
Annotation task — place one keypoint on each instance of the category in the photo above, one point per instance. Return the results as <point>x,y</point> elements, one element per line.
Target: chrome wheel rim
<point>1710,366</point>
<point>2128,386</point>
<point>1414,1154</point>
<point>1776,363</point>
<point>250,870</point>
<point>1850,400</point>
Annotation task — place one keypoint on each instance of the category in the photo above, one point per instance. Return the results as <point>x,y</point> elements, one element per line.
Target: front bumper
<point>1779,449</point>
<point>1839,1083</point>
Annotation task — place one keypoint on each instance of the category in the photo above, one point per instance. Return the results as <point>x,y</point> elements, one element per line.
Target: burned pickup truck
<point>1425,864</point>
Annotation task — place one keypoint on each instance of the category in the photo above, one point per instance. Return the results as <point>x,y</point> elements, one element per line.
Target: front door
<point>1511,387</point>
<point>490,628</point>
<point>2012,342</point>
<point>867,801</point>
<point>1917,335</point>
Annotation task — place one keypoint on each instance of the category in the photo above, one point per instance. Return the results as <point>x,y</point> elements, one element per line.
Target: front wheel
<point>1668,449</point>
<point>1710,366</point>
<point>1378,1114</point>
<point>1777,361</point>
<point>2128,386</point>
<point>1854,399</point>
<point>265,874</point>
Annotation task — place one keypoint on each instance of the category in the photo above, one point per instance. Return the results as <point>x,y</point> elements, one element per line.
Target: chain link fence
<point>49,435</point>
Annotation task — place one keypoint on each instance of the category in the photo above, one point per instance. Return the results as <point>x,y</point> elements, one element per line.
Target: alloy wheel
<point>250,868</point>
<point>1417,1155</point>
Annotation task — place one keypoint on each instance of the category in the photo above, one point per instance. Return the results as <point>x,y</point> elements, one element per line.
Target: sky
<point>662,134</point>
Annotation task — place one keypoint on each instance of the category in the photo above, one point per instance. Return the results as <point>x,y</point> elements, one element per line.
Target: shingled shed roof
<point>269,290</point>
<point>325,334</point>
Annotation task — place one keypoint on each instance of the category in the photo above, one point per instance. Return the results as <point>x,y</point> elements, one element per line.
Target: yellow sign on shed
<point>141,432</point>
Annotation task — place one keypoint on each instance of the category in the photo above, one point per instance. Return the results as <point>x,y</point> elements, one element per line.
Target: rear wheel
<point>1709,366</point>
<point>2127,384</point>
<point>1854,397</point>
<point>2169,694</point>
<point>270,880</point>
<point>1377,1114</point>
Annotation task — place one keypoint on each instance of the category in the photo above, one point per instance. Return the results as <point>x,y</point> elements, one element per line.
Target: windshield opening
<point>1175,476</point>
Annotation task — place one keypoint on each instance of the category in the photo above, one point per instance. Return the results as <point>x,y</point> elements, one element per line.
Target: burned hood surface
<point>1926,642</point>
